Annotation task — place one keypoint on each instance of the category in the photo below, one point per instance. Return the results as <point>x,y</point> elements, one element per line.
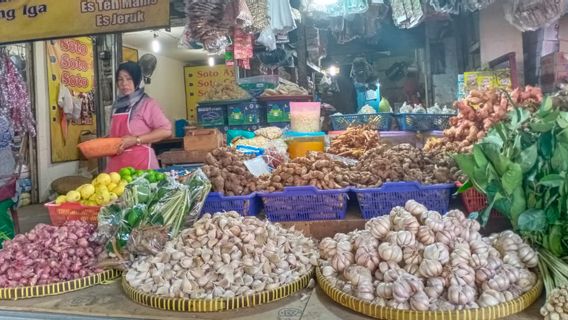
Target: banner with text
<point>71,76</point>
<point>23,20</point>
<point>199,80</point>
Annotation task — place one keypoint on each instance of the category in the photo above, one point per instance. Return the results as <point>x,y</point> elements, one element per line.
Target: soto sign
<point>199,80</point>
<point>24,20</point>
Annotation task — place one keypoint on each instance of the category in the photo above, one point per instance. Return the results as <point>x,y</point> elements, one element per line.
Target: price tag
<point>371,95</point>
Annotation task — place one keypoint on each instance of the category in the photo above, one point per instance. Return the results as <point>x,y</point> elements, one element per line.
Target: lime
<point>124,172</point>
<point>128,179</point>
<point>161,176</point>
<point>132,170</point>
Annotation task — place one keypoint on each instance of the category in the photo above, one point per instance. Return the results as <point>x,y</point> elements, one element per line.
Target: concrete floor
<point>32,215</point>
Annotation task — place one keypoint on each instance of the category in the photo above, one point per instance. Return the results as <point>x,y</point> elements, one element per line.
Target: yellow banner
<point>199,80</point>
<point>22,20</point>
<point>71,76</point>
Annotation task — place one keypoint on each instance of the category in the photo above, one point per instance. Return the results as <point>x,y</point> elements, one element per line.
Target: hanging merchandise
<point>445,6</point>
<point>267,39</point>
<point>280,13</point>
<point>14,98</point>
<point>242,48</point>
<point>337,8</point>
<point>207,24</point>
<point>474,5</point>
<point>258,10</point>
<point>237,14</point>
<point>531,15</point>
<point>407,13</point>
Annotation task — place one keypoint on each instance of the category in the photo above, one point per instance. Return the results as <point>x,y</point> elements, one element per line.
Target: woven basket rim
<point>57,288</point>
<point>486,313</point>
<point>216,304</point>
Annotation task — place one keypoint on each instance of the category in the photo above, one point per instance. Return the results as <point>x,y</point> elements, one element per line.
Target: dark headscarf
<point>129,102</point>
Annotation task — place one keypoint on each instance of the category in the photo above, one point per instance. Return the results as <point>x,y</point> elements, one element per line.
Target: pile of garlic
<point>225,255</point>
<point>556,306</point>
<point>415,259</point>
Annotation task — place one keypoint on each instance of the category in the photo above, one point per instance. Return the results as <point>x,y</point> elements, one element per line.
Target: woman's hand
<point>127,142</point>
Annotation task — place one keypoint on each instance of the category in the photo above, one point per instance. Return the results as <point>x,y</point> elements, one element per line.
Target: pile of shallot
<point>223,256</point>
<point>416,259</point>
<point>49,254</point>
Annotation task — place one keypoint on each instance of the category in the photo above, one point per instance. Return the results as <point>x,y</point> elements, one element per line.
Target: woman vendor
<point>138,120</point>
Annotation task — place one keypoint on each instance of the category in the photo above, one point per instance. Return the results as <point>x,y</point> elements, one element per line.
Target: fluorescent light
<point>333,71</point>
<point>211,61</point>
<point>156,46</point>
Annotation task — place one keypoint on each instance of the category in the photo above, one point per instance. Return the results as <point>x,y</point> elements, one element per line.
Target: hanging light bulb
<point>211,61</point>
<point>333,71</point>
<point>156,46</point>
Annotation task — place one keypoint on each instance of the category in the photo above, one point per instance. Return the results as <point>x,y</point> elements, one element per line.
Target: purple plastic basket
<point>305,203</point>
<point>375,202</point>
<point>249,205</point>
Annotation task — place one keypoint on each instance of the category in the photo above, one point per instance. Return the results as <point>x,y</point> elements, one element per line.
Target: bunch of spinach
<point>522,168</point>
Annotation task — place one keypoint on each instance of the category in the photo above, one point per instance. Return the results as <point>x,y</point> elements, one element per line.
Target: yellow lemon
<point>102,197</point>
<point>61,199</point>
<point>100,188</point>
<point>113,196</point>
<point>93,197</point>
<point>123,183</point>
<point>111,186</point>
<point>87,190</point>
<point>84,202</point>
<point>91,203</point>
<point>73,196</point>
<point>115,177</point>
<point>104,179</point>
<point>119,190</point>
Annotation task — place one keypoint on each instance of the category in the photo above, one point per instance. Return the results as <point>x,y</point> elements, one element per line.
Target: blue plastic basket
<point>249,205</point>
<point>375,202</point>
<point>343,121</point>
<point>305,204</point>
<point>423,121</point>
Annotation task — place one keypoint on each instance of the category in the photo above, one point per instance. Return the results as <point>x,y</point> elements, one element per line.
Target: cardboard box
<point>181,157</point>
<point>203,139</point>
<point>554,59</point>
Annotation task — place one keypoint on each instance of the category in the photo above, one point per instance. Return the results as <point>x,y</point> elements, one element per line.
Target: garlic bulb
<point>435,215</point>
<point>437,251</point>
<point>425,235</point>
<point>446,237</point>
<point>413,269</point>
<point>460,295</point>
<point>365,290</point>
<point>490,298</point>
<point>344,246</point>
<point>327,247</point>
<point>435,224</point>
<point>390,252</point>
<point>478,261</point>
<point>415,208</point>
<point>356,274</point>
<point>367,257</point>
<point>458,215</point>
<point>527,280</point>
<point>401,291</point>
<point>342,260</point>
<point>483,275</point>
<point>365,239</point>
<point>384,290</point>
<point>435,287</point>
<point>398,305</point>
<point>412,255</point>
<point>528,256</point>
<point>379,227</point>
<point>430,268</point>
<point>402,239</point>
<point>420,301</point>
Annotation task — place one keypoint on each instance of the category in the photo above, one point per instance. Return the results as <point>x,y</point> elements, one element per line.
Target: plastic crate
<point>245,113</point>
<point>61,213</point>
<point>249,205</point>
<point>474,201</point>
<point>375,202</point>
<point>305,204</point>
<point>423,121</point>
<point>342,122</point>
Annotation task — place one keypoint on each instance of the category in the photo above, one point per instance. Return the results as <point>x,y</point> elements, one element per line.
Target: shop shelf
<point>423,121</point>
<point>382,121</point>
<point>244,113</point>
<point>305,203</point>
<point>375,202</point>
<point>249,205</point>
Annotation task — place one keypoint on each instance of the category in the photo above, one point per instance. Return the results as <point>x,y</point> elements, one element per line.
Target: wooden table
<point>108,301</point>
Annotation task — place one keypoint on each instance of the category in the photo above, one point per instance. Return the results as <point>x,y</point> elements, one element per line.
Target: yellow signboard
<point>71,76</point>
<point>22,20</point>
<point>199,80</point>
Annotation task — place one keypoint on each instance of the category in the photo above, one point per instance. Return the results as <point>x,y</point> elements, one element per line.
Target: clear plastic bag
<point>407,13</point>
<point>531,15</point>
<point>267,39</point>
<point>474,5</point>
<point>445,6</point>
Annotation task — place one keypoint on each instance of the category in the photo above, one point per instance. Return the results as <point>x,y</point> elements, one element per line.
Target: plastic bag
<point>445,6</point>
<point>531,15</point>
<point>407,13</point>
<point>474,5</point>
<point>267,39</point>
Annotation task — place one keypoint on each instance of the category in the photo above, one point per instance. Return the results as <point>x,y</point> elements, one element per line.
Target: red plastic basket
<point>474,200</point>
<point>61,213</point>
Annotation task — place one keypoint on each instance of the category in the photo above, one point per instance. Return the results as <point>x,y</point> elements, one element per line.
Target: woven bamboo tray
<point>376,311</point>
<point>215,305</point>
<point>53,289</point>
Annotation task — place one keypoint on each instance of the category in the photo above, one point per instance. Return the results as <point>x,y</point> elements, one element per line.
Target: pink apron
<point>139,157</point>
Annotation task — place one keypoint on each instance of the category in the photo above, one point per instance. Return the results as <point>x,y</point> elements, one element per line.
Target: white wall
<point>47,171</point>
<point>498,37</point>
<point>167,86</point>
